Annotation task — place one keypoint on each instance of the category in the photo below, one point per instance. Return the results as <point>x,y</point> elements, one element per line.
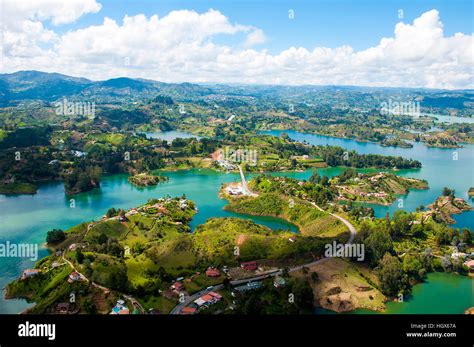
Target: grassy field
<point>309,220</point>
<point>343,286</point>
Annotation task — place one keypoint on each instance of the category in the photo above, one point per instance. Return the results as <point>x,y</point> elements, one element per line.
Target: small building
<point>62,308</point>
<point>279,282</point>
<point>249,266</point>
<point>212,272</point>
<point>216,296</point>
<point>458,255</point>
<point>29,273</point>
<point>199,302</point>
<point>248,286</point>
<point>178,286</point>
<point>208,299</point>
<point>74,277</point>
<point>470,265</point>
<point>188,310</point>
<point>120,308</point>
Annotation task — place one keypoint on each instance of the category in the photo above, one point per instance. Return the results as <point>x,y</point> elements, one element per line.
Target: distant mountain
<point>24,85</point>
<point>36,85</point>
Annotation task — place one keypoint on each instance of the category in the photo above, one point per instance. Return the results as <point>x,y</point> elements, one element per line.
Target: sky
<point>412,43</point>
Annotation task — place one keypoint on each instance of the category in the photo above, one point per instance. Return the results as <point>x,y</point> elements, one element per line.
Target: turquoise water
<point>441,293</point>
<point>27,218</point>
<point>450,119</point>
<point>439,169</point>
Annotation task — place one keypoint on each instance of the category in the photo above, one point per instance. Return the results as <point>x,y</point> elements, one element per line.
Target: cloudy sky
<point>372,43</point>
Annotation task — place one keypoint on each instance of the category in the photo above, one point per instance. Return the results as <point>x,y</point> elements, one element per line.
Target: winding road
<point>188,299</point>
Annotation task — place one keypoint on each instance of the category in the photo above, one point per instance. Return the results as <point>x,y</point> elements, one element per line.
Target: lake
<point>27,218</point>
<point>453,168</point>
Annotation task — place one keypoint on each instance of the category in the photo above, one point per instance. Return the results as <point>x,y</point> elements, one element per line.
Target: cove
<point>27,218</point>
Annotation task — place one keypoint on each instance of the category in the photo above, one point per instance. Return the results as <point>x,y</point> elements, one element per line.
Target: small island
<point>447,205</point>
<point>396,142</point>
<point>18,188</point>
<point>146,179</point>
<point>470,192</point>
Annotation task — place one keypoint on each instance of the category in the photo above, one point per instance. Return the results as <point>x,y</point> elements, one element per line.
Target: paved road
<point>189,299</point>
<point>351,228</point>
<point>245,187</point>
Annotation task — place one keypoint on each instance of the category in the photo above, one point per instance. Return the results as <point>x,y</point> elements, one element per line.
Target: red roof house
<point>177,286</point>
<point>250,265</point>
<point>188,310</point>
<point>212,272</point>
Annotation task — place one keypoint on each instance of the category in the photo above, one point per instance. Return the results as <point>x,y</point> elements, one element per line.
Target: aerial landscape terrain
<point>211,182</point>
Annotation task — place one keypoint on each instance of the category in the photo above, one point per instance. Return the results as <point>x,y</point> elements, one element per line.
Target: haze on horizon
<point>207,46</point>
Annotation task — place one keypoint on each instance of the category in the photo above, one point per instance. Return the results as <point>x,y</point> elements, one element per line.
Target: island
<point>18,188</point>
<point>447,205</point>
<point>146,179</point>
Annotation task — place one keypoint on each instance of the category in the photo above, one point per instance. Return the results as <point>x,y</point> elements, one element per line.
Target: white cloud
<point>58,11</point>
<point>256,37</point>
<point>181,47</point>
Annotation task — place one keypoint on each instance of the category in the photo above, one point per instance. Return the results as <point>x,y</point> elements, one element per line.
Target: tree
<point>448,192</point>
<point>466,236</point>
<point>412,265</point>
<point>378,243</point>
<point>111,212</point>
<point>79,256</point>
<point>55,236</point>
<point>390,274</point>
<point>315,178</point>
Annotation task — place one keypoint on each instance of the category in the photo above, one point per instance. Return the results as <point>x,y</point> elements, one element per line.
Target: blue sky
<point>327,23</point>
<point>407,43</point>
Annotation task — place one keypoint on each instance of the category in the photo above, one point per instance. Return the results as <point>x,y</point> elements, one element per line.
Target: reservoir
<point>27,218</point>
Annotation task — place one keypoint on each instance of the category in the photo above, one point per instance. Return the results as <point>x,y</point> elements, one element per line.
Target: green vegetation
<point>146,179</point>
<point>55,236</point>
<point>18,188</point>
<point>271,300</point>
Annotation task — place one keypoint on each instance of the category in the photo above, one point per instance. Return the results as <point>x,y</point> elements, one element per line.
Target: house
<point>208,299</point>
<point>120,308</point>
<point>458,255</point>
<point>249,266</point>
<point>212,272</point>
<point>248,286</point>
<point>29,273</point>
<point>74,277</point>
<point>178,286</point>
<point>62,308</point>
<point>279,282</point>
<point>199,302</point>
<point>216,296</point>
<point>470,265</point>
<point>188,310</point>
